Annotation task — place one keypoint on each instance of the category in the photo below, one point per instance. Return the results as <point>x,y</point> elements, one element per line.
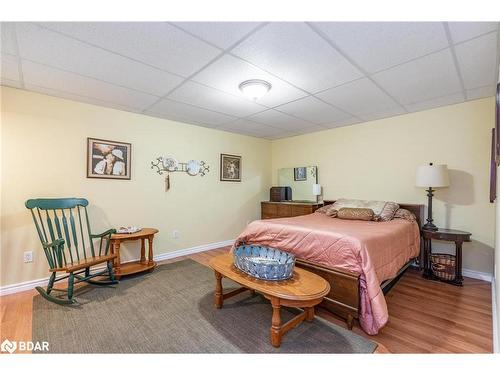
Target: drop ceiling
<point>323,75</point>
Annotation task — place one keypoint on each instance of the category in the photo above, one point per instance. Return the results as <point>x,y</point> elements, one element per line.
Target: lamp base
<point>429,226</point>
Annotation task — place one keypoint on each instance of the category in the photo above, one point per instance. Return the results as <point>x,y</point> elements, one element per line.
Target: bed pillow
<point>401,213</point>
<point>347,213</point>
<point>323,209</point>
<point>382,210</point>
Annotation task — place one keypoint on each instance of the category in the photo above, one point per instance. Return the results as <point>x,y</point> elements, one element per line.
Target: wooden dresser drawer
<point>284,210</point>
<point>269,210</point>
<point>298,210</point>
<point>274,210</point>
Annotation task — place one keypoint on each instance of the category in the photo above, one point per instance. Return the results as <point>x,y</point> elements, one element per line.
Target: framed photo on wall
<point>300,174</point>
<point>108,159</point>
<point>497,126</point>
<point>230,168</point>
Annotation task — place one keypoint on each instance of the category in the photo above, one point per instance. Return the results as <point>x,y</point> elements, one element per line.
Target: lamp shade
<point>316,189</point>
<point>432,176</point>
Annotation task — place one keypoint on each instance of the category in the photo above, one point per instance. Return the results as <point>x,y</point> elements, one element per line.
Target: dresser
<point>273,210</point>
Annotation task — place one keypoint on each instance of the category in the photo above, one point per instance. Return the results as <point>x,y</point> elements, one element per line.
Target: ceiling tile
<point>44,46</point>
<point>383,114</point>
<point>80,98</point>
<point>8,38</point>
<point>313,110</point>
<point>457,97</point>
<point>477,61</point>
<point>180,111</point>
<point>248,127</point>
<point>294,52</point>
<point>418,80</point>
<point>379,45</point>
<point>346,122</point>
<point>481,92</point>
<point>10,83</point>
<point>461,31</point>
<point>222,34</point>
<point>360,98</point>
<point>50,78</point>
<point>280,120</point>
<point>283,134</point>
<point>10,67</point>
<point>209,98</point>
<point>227,73</point>
<point>156,43</point>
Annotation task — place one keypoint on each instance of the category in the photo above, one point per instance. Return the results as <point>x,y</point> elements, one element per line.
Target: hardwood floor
<point>424,316</point>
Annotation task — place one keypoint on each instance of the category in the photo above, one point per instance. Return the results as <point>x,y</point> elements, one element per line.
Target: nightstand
<point>457,236</point>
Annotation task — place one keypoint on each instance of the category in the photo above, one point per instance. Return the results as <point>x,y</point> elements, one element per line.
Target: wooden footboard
<point>343,299</point>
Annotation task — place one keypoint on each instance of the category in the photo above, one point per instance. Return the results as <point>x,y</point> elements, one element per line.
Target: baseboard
<point>477,275</point>
<point>27,285</point>
<point>496,348</point>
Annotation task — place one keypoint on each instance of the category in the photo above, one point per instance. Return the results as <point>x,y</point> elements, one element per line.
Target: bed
<point>359,259</point>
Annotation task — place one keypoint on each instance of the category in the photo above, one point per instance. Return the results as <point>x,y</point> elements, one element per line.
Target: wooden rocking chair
<point>67,223</point>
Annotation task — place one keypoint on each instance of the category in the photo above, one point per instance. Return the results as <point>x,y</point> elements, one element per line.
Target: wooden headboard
<point>417,209</point>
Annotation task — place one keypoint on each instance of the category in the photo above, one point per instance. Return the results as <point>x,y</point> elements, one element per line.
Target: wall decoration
<point>493,168</point>
<point>230,168</point>
<point>108,159</point>
<point>168,164</point>
<point>497,126</point>
<point>300,174</point>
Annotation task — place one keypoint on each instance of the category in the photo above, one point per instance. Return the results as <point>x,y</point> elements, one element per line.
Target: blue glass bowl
<point>264,263</point>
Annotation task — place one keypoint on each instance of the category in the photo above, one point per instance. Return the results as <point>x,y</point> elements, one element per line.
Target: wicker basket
<point>443,266</point>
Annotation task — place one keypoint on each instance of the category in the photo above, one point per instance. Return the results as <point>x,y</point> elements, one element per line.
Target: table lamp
<point>316,190</point>
<point>432,176</point>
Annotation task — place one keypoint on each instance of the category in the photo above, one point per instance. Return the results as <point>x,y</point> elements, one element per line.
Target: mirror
<point>301,180</point>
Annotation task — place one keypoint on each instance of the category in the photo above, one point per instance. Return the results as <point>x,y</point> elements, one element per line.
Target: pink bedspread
<point>375,250</point>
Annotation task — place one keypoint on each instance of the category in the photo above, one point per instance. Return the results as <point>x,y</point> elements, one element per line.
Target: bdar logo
<point>8,346</point>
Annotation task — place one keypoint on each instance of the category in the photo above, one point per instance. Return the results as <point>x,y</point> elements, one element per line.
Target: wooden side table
<point>143,264</point>
<point>457,236</point>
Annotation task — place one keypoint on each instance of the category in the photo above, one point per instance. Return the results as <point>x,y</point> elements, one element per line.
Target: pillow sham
<point>382,210</point>
<point>402,213</point>
<point>323,209</point>
<point>348,213</point>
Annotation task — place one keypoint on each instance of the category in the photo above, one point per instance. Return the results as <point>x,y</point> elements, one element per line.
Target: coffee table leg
<point>218,290</point>
<point>276,323</point>
<point>309,313</point>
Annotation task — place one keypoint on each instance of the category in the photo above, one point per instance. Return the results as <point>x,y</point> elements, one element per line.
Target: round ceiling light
<point>255,88</point>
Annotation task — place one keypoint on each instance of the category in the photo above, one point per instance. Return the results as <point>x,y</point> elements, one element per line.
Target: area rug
<point>171,310</point>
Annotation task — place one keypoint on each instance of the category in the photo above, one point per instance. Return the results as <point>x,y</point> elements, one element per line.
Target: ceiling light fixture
<point>255,88</point>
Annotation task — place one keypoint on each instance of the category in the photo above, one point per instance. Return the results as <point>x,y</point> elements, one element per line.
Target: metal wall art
<point>167,164</point>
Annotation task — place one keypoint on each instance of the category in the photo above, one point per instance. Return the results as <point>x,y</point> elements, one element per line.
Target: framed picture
<point>230,168</point>
<point>108,159</point>
<point>300,174</point>
<point>493,168</point>
<point>497,126</point>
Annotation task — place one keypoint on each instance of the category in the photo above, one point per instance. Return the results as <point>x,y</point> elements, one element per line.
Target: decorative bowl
<point>264,263</point>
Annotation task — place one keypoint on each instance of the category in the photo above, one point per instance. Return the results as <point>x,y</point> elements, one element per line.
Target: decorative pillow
<point>332,212</point>
<point>382,211</point>
<point>323,209</point>
<point>348,213</point>
<point>405,214</point>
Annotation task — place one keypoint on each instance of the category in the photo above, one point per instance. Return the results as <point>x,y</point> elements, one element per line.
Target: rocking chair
<point>67,223</point>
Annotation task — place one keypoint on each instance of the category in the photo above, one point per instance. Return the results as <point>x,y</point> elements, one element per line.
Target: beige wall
<point>43,151</point>
<point>496,303</point>
<point>378,160</point>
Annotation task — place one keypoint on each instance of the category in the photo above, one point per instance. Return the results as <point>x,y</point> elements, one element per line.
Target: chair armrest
<point>109,232</point>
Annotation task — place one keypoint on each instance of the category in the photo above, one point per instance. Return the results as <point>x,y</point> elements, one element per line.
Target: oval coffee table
<point>304,290</point>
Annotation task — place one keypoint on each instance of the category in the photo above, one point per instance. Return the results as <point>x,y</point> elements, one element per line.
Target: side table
<point>129,268</point>
<point>452,235</point>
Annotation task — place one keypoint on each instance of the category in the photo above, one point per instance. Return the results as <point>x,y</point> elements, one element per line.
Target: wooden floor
<point>424,316</point>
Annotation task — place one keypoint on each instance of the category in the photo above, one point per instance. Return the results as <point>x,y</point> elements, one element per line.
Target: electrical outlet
<point>28,256</point>
<point>175,234</point>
